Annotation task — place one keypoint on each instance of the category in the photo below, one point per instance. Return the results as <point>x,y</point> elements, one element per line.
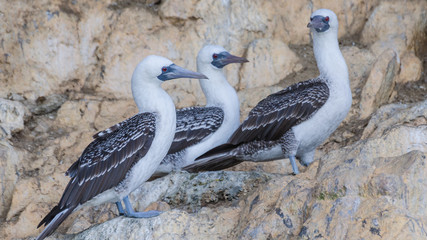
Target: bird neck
<point>330,62</point>
<point>150,97</point>
<point>219,93</point>
<point>216,88</point>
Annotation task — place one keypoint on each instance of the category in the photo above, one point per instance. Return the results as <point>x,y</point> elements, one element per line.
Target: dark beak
<point>226,58</point>
<point>318,23</point>
<point>174,71</point>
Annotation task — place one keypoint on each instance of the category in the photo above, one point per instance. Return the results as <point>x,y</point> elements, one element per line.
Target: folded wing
<point>276,114</point>
<point>104,163</point>
<point>194,124</point>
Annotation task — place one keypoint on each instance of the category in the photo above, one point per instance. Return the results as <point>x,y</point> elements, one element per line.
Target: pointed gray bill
<point>173,71</point>
<point>226,58</point>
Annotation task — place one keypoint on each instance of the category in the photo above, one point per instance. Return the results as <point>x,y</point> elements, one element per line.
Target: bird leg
<point>120,208</point>
<point>294,165</point>
<point>289,145</point>
<point>129,212</point>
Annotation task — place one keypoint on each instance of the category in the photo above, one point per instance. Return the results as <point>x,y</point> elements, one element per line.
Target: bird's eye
<point>327,19</point>
<point>164,69</point>
<point>215,56</point>
<point>311,19</point>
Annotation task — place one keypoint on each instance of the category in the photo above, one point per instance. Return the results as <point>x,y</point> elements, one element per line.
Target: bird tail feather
<point>219,158</point>
<point>55,217</point>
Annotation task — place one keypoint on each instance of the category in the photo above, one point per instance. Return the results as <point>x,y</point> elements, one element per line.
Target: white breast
<point>316,130</point>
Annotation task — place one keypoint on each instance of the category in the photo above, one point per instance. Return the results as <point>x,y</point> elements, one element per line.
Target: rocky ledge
<point>374,188</point>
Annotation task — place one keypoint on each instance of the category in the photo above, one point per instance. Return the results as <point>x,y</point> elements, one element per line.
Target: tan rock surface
<point>41,47</point>
<point>9,162</point>
<point>77,114</point>
<point>65,70</point>
<point>12,116</point>
<point>359,63</point>
<point>391,21</point>
<point>109,111</point>
<point>270,61</point>
<point>388,116</point>
<point>380,83</point>
<point>410,68</point>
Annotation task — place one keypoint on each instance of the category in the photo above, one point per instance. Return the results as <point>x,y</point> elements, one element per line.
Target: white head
<point>155,70</point>
<point>150,73</point>
<point>323,22</point>
<point>216,57</point>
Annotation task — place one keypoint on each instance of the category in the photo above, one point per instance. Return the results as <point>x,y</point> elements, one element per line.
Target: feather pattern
<point>106,161</point>
<point>105,133</point>
<point>268,122</point>
<point>272,117</point>
<point>194,124</point>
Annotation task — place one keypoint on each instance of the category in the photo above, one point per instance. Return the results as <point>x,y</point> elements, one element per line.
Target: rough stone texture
<point>380,83</point>
<point>270,61</point>
<point>193,192</point>
<point>359,63</point>
<point>110,110</point>
<point>12,116</point>
<point>377,209</point>
<point>171,225</point>
<point>410,68</point>
<point>395,25</point>
<point>9,162</point>
<point>65,70</point>
<point>48,104</point>
<point>40,49</point>
<point>389,115</point>
<point>77,114</point>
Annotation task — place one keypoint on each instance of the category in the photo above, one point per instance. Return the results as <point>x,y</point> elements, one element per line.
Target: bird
<point>201,128</point>
<point>293,122</point>
<point>124,156</point>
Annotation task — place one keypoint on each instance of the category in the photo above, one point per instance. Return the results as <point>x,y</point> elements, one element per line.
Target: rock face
<point>9,161</point>
<point>411,68</point>
<point>65,71</point>
<point>380,83</point>
<point>396,26</point>
<point>12,116</point>
<point>269,63</point>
